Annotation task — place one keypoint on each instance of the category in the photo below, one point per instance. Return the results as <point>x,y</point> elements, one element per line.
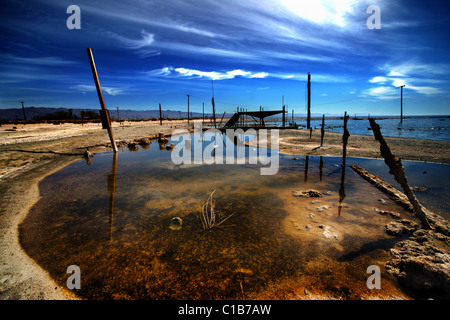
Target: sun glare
<point>321,11</point>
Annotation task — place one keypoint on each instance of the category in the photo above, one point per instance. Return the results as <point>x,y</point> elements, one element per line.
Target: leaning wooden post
<point>396,168</point>
<point>105,117</point>
<point>322,130</point>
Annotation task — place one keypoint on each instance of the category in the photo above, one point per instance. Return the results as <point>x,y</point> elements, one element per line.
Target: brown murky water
<point>112,218</point>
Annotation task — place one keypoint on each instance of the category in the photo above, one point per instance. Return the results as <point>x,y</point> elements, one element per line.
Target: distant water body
<point>414,127</point>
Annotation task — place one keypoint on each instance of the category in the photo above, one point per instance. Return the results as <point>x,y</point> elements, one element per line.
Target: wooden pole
<point>308,120</point>
<point>160,115</point>
<point>23,109</point>
<point>322,130</point>
<point>188,108</point>
<point>401,103</point>
<point>284,116</point>
<point>396,168</point>
<point>100,98</point>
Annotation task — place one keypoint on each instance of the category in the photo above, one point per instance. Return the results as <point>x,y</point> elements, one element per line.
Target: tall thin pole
<point>203,112</point>
<point>100,98</point>
<point>118,116</point>
<point>188,108</point>
<point>23,109</point>
<point>160,115</point>
<point>401,103</point>
<point>308,121</point>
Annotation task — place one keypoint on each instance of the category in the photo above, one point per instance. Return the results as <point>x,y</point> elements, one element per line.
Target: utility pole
<point>188,108</point>
<point>23,109</point>
<point>308,120</point>
<point>401,103</point>
<point>160,115</point>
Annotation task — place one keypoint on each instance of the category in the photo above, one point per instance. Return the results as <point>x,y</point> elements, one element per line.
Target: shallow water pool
<point>112,218</point>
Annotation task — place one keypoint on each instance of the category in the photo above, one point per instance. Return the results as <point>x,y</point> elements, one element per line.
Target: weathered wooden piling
<point>105,114</point>
<point>396,169</point>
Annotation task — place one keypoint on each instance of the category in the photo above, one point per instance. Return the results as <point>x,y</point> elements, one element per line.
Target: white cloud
<point>215,75</point>
<point>379,80</point>
<point>382,93</point>
<point>90,88</point>
<point>259,75</point>
<point>415,68</point>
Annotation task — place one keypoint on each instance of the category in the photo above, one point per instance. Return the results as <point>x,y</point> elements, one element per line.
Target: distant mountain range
<point>32,112</point>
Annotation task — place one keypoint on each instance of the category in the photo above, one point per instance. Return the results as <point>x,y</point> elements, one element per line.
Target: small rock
<point>308,227</point>
<point>397,229</point>
<point>321,208</point>
<point>144,141</point>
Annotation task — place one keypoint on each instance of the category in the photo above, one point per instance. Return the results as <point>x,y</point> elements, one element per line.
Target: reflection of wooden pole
<point>306,168</point>
<point>320,168</point>
<point>112,192</point>
<point>100,98</point>
<point>396,168</point>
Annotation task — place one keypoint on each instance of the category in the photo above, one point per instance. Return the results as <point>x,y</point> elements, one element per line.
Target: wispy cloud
<point>90,88</point>
<point>215,75</point>
<point>412,74</point>
<point>171,72</point>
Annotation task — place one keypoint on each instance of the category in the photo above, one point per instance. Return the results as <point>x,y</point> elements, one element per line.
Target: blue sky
<point>150,52</point>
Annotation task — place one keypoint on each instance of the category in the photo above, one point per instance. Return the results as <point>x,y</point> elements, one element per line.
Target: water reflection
<point>112,192</point>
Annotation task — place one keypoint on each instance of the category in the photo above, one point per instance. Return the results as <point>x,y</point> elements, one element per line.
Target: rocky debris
<point>419,188</point>
<point>422,264</point>
<point>310,193</point>
<point>87,154</point>
<point>327,233</point>
<point>143,141</point>
<point>322,208</point>
<point>162,138</point>
<point>398,229</point>
<point>394,215</point>
<point>133,146</point>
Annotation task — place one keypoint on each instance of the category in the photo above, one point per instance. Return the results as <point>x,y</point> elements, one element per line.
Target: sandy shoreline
<point>31,152</point>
